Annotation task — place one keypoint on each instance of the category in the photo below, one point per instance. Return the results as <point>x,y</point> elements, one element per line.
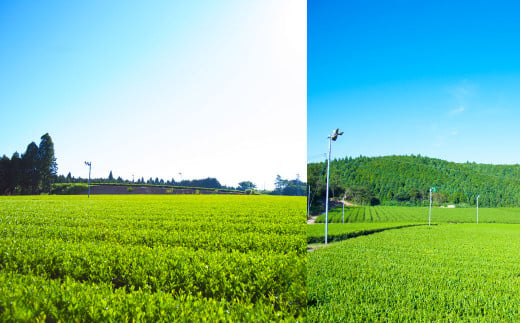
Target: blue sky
<point>155,89</point>
<point>436,78</point>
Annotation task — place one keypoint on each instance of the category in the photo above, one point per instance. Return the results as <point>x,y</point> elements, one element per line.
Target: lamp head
<point>335,134</point>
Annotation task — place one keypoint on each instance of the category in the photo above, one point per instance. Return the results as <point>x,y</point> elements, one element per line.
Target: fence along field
<point>152,258</point>
<point>395,267</point>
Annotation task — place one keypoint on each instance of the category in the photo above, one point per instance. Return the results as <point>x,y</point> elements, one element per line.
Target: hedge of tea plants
<point>152,258</point>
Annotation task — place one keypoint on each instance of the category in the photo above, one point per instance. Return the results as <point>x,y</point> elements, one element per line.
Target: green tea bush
<point>415,214</point>
<point>447,272</point>
<point>152,258</point>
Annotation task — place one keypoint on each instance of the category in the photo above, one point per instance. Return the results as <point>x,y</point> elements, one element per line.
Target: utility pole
<point>89,164</point>
<point>298,182</point>
<point>434,189</point>
<point>477,207</point>
<point>332,137</point>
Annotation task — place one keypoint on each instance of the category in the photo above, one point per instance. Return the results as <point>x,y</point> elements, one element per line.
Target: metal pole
<point>327,192</point>
<point>430,215</point>
<point>477,207</point>
<point>298,180</point>
<point>89,169</point>
<point>343,221</point>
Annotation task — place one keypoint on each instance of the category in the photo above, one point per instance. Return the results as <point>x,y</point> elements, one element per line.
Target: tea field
<point>405,270</point>
<point>416,214</point>
<point>339,231</point>
<point>152,258</point>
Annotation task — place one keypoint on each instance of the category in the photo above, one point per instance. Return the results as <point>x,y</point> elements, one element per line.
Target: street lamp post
<point>430,214</point>
<point>477,207</point>
<point>332,137</point>
<point>89,164</point>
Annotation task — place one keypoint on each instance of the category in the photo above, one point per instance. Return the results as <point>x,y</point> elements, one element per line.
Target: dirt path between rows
<point>314,246</point>
<point>312,219</point>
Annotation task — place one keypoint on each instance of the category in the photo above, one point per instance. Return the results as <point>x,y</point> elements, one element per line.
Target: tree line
<point>36,170</point>
<point>293,187</point>
<point>209,182</point>
<point>406,180</point>
<point>31,173</point>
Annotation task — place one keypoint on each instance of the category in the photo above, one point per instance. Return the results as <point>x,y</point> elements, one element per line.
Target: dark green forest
<point>31,173</point>
<point>406,180</point>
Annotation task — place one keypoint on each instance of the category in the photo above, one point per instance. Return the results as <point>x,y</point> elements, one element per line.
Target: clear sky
<point>157,88</point>
<point>436,78</point>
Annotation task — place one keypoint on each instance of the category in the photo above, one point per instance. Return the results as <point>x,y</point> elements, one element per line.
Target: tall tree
<point>16,173</point>
<point>31,175</point>
<point>279,184</point>
<point>5,175</point>
<point>246,185</point>
<point>205,182</point>
<point>47,162</point>
<point>110,177</point>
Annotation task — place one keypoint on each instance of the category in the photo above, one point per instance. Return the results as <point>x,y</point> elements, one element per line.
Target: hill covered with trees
<point>408,179</point>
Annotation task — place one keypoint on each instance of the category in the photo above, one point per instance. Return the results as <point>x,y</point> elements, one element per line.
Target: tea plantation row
<point>447,272</point>
<point>366,214</point>
<point>152,258</point>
